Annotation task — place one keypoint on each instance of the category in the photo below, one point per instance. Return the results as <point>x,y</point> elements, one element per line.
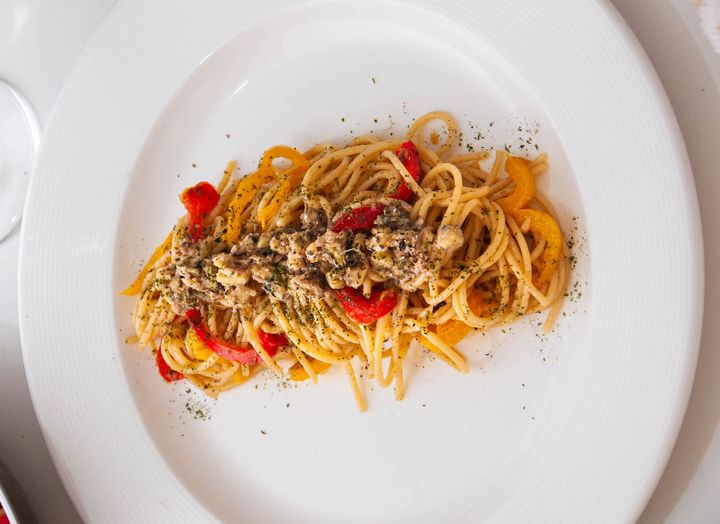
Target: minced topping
<point>307,256</point>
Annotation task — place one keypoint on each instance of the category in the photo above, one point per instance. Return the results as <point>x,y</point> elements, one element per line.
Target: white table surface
<point>39,43</point>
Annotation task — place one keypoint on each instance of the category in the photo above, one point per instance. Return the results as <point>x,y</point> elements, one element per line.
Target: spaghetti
<point>341,256</point>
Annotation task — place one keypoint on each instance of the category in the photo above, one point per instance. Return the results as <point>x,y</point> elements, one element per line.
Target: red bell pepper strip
<point>272,341</point>
<point>366,310</point>
<point>166,372</point>
<point>242,354</point>
<point>409,156</point>
<point>199,200</point>
<point>363,217</point>
<point>358,219</point>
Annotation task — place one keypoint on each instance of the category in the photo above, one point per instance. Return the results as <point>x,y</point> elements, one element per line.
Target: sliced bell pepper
<point>518,169</point>
<point>358,219</point>
<point>194,345</point>
<point>134,288</point>
<point>239,377</point>
<point>199,200</point>
<point>544,226</point>
<point>242,354</point>
<point>450,332</point>
<point>476,303</point>
<point>244,193</point>
<point>453,331</point>
<point>409,156</point>
<point>366,310</point>
<point>298,373</point>
<point>289,180</point>
<point>272,341</point>
<point>166,372</point>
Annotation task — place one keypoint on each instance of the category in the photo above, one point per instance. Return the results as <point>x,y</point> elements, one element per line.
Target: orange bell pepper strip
<point>453,331</point>
<point>476,303</point>
<point>480,306</point>
<point>450,332</point>
<point>543,225</point>
<point>134,288</point>
<point>298,373</point>
<point>289,179</point>
<point>518,169</point>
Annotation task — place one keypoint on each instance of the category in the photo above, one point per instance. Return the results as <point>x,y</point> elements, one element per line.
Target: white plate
<point>573,427</point>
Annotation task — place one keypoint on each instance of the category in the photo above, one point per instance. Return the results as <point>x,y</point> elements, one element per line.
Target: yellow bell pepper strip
<point>134,288</point>
<point>248,186</point>
<point>518,169</point>
<point>239,377</point>
<point>298,373</point>
<point>195,347</point>
<point>543,225</point>
<point>244,193</point>
<point>275,152</point>
<point>289,179</point>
